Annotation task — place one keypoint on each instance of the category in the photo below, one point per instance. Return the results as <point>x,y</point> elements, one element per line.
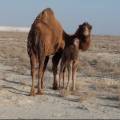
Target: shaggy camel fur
<point>46,37</point>
<point>70,56</point>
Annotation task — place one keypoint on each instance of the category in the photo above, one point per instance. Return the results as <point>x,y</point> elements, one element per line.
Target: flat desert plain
<point>97,94</point>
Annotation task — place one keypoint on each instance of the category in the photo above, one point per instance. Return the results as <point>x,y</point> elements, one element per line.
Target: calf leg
<point>74,69</point>
<point>64,77</point>
<point>69,75</point>
<point>55,61</point>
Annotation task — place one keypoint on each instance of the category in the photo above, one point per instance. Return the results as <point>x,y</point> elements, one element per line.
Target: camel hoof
<point>73,89</point>
<point>42,87</point>
<point>67,88</point>
<point>59,88</point>
<point>55,87</point>
<point>36,86</point>
<point>40,93</point>
<point>32,94</point>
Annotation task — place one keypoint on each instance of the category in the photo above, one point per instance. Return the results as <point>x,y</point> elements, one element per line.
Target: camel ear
<point>90,27</point>
<point>80,26</point>
<point>76,42</point>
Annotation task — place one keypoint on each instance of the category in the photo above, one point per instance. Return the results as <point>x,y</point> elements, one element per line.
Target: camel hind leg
<point>40,72</point>
<point>44,68</point>
<point>33,71</point>
<point>55,61</point>
<point>69,76</point>
<point>74,70</point>
<point>64,77</point>
<point>41,61</point>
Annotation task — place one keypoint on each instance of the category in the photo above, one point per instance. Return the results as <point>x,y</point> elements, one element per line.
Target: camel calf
<point>70,58</point>
<point>80,41</point>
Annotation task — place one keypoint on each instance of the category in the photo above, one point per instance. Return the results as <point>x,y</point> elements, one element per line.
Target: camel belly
<point>52,49</point>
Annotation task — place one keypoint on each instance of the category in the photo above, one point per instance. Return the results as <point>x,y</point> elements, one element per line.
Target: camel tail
<point>29,43</point>
<point>39,48</point>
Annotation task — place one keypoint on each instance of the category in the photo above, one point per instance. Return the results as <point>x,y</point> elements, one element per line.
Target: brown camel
<point>46,37</point>
<point>70,56</point>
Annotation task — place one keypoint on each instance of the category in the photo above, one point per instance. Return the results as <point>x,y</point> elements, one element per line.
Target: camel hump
<point>48,10</point>
<point>45,16</point>
<point>48,19</point>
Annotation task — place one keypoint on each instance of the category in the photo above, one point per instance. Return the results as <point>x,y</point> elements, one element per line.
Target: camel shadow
<point>112,106</point>
<point>13,89</point>
<point>112,101</point>
<point>18,73</point>
<point>58,95</point>
<point>112,98</point>
<point>15,82</point>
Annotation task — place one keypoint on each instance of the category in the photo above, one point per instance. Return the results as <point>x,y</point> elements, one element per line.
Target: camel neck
<point>68,38</point>
<point>84,43</point>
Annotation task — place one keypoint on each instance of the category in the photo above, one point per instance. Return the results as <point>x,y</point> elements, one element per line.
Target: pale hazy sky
<point>104,15</point>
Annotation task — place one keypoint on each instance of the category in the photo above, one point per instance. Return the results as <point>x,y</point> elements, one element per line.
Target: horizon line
<point>26,29</point>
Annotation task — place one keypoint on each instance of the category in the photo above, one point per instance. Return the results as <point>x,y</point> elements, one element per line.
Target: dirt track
<point>98,82</point>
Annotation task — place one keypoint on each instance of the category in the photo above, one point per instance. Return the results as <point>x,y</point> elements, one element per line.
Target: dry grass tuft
<point>108,85</point>
<point>111,88</point>
<point>87,96</point>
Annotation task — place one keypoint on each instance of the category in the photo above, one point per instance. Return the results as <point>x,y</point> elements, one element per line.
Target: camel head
<point>85,29</point>
<point>84,35</point>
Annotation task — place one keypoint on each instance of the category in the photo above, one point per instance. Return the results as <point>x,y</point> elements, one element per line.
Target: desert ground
<point>97,94</point>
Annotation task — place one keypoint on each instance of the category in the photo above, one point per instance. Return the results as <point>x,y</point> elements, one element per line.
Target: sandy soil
<point>97,92</point>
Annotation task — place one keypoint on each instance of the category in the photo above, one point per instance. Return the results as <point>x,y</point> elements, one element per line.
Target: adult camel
<point>47,37</point>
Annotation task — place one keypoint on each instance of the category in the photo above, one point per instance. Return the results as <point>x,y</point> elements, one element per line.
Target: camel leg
<point>40,72</point>
<point>64,78</point>
<point>74,69</point>
<point>60,76</point>
<point>44,68</point>
<point>55,61</point>
<point>61,73</point>
<point>33,62</point>
<point>69,76</point>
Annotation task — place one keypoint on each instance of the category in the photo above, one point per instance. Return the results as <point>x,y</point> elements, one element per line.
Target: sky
<point>103,15</point>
